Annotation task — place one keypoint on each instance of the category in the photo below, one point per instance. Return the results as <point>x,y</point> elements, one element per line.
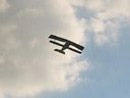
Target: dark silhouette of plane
<point>66,45</point>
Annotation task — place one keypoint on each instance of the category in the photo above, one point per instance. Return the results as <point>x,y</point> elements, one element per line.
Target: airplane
<point>66,45</point>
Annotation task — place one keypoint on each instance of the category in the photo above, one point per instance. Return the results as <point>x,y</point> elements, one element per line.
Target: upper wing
<point>57,38</point>
<point>65,40</point>
<point>77,46</point>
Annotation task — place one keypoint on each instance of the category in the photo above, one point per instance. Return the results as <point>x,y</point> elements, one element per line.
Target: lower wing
<point>66,48</point>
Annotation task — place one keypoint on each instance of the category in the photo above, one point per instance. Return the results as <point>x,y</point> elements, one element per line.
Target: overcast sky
<point>29,68</point>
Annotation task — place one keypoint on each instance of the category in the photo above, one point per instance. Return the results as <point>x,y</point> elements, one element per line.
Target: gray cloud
<point>3,5</point>
<point>28,65</point>
<point>108,15</point>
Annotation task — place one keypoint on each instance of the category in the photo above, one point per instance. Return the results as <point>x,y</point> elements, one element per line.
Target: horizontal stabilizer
<point>61,51</point>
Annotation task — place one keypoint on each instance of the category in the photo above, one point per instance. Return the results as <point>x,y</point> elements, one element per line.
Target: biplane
<point>65,46</point>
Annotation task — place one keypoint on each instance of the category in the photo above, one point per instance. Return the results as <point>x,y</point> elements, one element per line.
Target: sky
<point>29,68</point>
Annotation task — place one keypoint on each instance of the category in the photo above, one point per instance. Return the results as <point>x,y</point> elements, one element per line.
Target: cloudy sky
<point>29,68</point>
